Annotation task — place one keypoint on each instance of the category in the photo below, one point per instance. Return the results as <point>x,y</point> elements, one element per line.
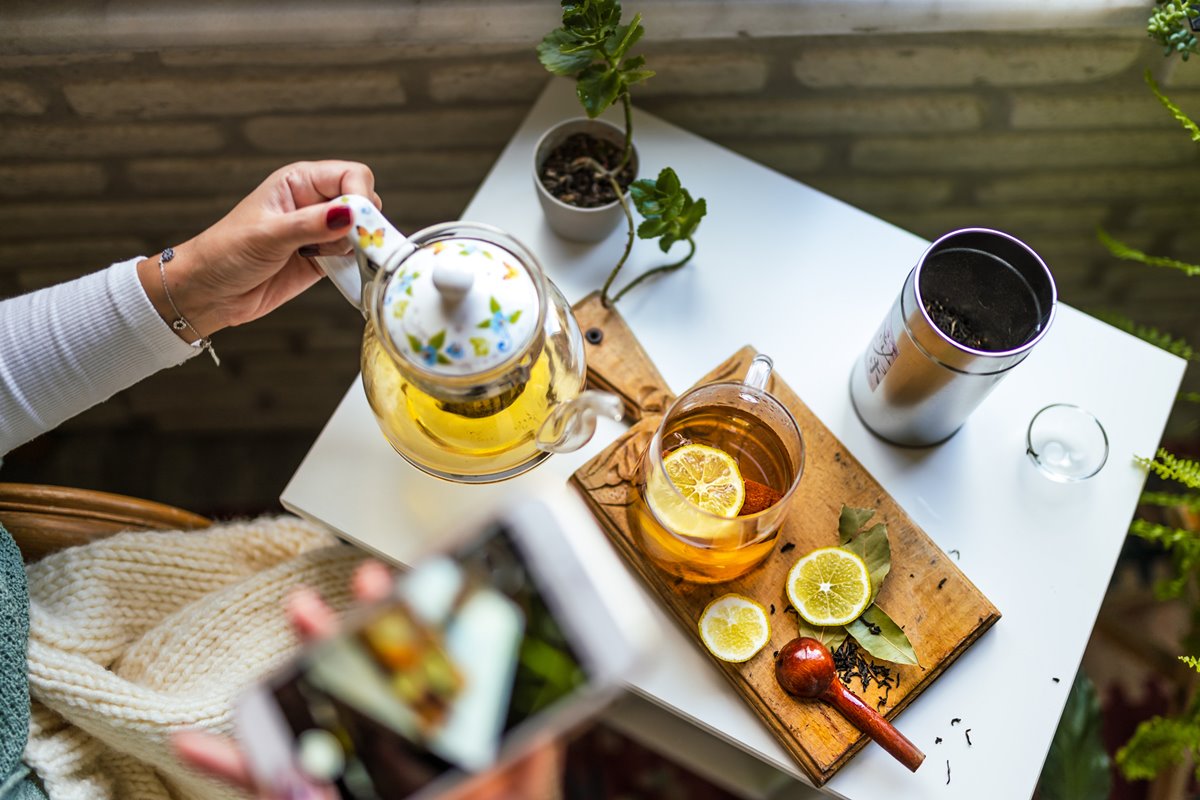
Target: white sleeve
<point>65,348</point>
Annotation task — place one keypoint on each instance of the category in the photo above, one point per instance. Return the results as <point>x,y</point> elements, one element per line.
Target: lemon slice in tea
<point>734,627</point>
<point>829,586</point>
<point>707,477</point>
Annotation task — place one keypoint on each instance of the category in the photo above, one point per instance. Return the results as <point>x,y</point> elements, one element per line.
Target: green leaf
<point>487,323</point>
<point>1149,334</point>
<point>890,644</point>
<point>1171,500</point>
<point>651,228</point>
<point>494,305</point>
<point>851,521</point>
<point>597,88</point>
<point>1127,253</point>
<point>438,339</point>
<point>1077,766</point>
<point>1158,743</point>
<point>624,37</point>
<point>516,315</point>
<point>1175,110</point>
<point>550,53</point>
<point>667,240</point>
<point>668,182</point>
<point>691,217</point>
<point>1168,467</point>
<point>441,359</point>
<point>873,548</point>
<point>414,343</point>
<point>831,636</point>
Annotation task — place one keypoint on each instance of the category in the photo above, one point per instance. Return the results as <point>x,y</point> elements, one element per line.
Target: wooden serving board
<point>939,609</point>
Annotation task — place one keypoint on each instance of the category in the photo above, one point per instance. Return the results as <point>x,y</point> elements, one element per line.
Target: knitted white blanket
<point>142,634</point>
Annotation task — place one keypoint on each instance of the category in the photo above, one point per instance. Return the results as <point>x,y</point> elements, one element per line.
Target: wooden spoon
<point>804,668</point>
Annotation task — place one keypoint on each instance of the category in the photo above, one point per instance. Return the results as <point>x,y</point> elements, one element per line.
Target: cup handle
<point>759,372</point>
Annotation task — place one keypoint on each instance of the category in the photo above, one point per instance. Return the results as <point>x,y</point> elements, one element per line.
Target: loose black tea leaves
<point>957,555</point>
<point>938,740</point>
<point>787,547</point>
<point>967,733</point>
<point>1056,680</point>
<point>947,772</point>
<point>772,608</point>
<point>941,583</point>
<point>955,721</point>
<point>850,663</point>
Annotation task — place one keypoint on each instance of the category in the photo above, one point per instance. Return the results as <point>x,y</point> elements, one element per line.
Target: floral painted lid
<point>460,306</point>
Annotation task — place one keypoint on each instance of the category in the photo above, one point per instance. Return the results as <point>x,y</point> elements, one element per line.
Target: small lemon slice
<point>734,627</point>
<point>830,586</point>
<point>707,477</point>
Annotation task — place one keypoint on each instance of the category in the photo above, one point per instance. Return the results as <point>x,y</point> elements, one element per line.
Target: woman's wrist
<point>174,293</point>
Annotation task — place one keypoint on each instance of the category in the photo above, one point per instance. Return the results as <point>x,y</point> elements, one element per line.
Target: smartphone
<point>519,630</point>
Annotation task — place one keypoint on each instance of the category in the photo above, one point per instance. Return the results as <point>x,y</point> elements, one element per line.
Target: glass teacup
<point>744,421</point>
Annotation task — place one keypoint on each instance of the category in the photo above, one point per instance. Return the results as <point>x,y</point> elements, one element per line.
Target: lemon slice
<point>830,586</point>
<point>734,627</point>
<point>707,477</point>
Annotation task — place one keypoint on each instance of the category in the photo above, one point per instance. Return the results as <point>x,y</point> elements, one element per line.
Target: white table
<point>807,279</point>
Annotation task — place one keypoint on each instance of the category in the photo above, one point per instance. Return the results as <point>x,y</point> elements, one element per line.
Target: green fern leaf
<point>1168,467</point>
<point>1171,500</point>
<point>1146,333</point>
<point>1158,743</point>
<point>1175,110</point>
<point>1127,253</point>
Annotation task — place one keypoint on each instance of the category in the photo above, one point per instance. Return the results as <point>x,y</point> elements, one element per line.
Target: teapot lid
<point>460,306</point>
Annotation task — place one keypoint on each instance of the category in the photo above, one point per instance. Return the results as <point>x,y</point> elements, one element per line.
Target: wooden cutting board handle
<point>616,361</point>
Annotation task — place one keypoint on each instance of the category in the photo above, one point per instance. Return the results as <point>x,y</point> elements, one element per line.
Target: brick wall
<point>1042,135</point>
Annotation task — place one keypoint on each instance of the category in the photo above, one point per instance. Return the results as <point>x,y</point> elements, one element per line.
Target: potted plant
<point>585,168</point>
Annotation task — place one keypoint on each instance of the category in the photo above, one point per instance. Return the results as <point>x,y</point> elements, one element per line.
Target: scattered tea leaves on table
<point>941,583</point>
<point>938,740</point>
<point>955,721</point>
<point>967,733</point>
<point>890,644</point>
<point>947,772</point>
<point>957,555</point>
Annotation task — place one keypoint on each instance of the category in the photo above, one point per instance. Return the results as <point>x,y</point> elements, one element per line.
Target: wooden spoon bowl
<point>804,668</point>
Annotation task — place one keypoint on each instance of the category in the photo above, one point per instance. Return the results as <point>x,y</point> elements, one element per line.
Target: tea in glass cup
<point>716,479</point>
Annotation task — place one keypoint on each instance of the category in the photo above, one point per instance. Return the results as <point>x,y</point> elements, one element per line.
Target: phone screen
<point>432,681</point>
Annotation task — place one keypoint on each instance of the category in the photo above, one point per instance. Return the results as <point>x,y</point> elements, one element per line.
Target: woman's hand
<point>249,262</point>
<point>536,775</point>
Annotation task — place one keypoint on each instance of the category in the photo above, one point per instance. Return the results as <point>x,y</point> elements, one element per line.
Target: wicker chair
<point>43,519</point>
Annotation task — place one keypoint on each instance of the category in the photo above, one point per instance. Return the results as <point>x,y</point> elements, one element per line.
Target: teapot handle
<point>377,244</point>
<point>570,425</point>
<point>343,272</point>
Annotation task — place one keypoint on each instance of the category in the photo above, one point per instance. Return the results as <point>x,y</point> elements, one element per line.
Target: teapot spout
<point>571,425</point>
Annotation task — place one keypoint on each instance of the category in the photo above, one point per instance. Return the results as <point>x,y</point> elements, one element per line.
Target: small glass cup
<point>1067,443</point>
<point>745,421</point>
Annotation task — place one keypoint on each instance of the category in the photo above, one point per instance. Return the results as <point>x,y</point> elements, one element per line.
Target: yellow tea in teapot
<point>483,441</point>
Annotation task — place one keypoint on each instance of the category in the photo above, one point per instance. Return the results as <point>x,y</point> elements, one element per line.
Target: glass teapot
<point>472,361</point>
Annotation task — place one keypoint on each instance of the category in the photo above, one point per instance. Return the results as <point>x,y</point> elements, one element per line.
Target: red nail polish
<point>337,217</point>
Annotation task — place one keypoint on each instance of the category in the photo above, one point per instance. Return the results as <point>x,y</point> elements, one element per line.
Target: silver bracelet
<point>180,322</point>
